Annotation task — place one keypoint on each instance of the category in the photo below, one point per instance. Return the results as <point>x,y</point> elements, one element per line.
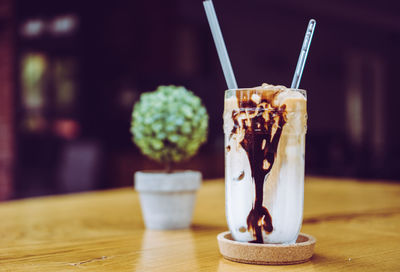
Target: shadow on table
<point>208,227</point>
<point>319,258</point>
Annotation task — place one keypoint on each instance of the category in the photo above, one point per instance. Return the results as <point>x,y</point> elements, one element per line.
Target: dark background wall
<point>123,48</point>
<point>6,98</point>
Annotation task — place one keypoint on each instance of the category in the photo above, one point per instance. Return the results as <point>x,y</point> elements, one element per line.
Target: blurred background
<point>70,72</point>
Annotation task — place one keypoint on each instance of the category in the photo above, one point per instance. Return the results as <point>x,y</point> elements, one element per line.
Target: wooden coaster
<point>277,254</point>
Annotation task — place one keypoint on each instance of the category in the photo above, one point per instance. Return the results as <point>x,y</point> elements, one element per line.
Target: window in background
<point>65,88</point>
<point>65,72</point>
<point>34,81</point>
<point>49,117</point>
<point>33,28</point>
<point>48,76</point>
<point>63,25</point>
<point>49,91</point>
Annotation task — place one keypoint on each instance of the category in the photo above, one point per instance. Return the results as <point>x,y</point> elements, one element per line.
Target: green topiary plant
<point>169,124</point>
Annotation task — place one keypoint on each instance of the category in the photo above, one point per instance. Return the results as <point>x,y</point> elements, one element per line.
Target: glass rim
<point>264,89</point>
<point>230,92</point>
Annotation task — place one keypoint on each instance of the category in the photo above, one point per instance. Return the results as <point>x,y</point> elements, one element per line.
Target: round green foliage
<point>169,124</point>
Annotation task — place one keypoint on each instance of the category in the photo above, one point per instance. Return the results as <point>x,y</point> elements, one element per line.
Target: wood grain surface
<point>356,225</point>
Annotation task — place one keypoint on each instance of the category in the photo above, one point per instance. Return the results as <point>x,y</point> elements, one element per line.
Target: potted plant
<point>168,125</point>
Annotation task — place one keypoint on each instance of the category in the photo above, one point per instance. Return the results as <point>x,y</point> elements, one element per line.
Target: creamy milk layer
<point>264,163</point>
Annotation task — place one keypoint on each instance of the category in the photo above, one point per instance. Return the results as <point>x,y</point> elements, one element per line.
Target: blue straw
<point>220,44</point>
<point>303,54</point>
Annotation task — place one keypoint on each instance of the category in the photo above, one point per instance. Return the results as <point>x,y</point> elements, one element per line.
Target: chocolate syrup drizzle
<point>261,148</point>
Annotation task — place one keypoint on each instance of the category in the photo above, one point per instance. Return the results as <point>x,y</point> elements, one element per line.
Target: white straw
<point>220,44</point>
<point>303,54</point>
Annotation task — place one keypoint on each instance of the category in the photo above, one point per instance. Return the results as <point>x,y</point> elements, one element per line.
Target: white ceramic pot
<point>167,199</point>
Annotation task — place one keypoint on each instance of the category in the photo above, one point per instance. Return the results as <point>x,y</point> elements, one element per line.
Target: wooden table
<point>357,226</point>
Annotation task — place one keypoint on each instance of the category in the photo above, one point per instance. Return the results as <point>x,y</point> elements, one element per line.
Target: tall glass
<point>265,131</point>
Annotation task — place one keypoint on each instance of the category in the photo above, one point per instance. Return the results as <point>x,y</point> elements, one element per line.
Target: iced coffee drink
<point>264,163</point>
